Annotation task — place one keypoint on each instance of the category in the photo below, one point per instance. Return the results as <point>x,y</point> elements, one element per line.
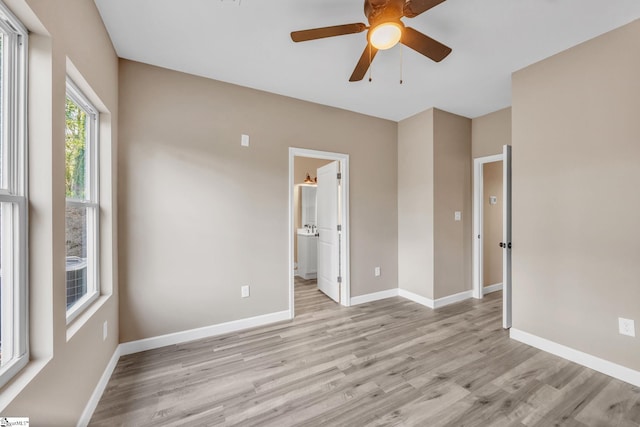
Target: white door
<point>506,239</point>
<point>329,238</point>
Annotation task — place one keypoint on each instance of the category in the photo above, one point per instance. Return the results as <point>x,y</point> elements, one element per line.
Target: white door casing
<point>478,214</point>
<point>343,159</point>
<point>329,235</point>
<point>506,239</point>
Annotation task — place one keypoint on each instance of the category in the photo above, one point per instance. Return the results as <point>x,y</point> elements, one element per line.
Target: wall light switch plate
<point>376,271</point>
<point>244,140</point>
<point>244,291</point>
<point>627,327</point>
<point>493,200</point>
<point>458,216</point>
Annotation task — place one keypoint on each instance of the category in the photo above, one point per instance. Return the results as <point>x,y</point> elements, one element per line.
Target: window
<point>13,201</point>
<point>82,207</point>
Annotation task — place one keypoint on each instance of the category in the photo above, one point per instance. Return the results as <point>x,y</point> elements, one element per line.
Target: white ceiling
<point>246,42</point>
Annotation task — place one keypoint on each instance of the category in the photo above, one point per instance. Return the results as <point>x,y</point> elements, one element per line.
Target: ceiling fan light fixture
<point>385,35</point>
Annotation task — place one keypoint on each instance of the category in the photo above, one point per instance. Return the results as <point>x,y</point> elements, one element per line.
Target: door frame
<point>345,288</point>
<point>478,210</point>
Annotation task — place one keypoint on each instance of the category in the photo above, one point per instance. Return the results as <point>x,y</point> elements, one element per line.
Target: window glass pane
<point>76,151</point>
<point>13,203</point>
<point>3,155</point>
<point>76,231</point>
<point>7,283</point>
<point>3,285</point>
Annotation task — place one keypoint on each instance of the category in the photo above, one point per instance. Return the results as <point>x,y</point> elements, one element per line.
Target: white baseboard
<point>170,339</point>
<point>362,299</point>
<point>204,332</point>
<point>597,364</point>
<point>427,302</point>
<point>99,390</point>
<point>452,299</point>
<point>440,302</point>
<point>492,288</point>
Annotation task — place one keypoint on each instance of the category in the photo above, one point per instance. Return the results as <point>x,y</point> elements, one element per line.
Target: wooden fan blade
<point>424,44</point>
<point>320,33</point>
<point>414,8</point>
<point>364,63</point>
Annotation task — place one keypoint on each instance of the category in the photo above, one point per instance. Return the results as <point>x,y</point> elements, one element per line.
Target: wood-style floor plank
<point>385,363</point>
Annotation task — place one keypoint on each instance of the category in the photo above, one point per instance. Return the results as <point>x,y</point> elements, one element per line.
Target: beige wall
<point>452,192</point>
<point>492,224</point>
<point>66,362</point>
<point>302,166</point>
<point>200,216</point>
<point>415,204</point>
<point>434,181</point>
<point>490,132</point>
<point>576,129</point>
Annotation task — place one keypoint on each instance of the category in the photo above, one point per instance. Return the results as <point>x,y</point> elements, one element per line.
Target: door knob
<point>502,245</point>
<point>509,245</point>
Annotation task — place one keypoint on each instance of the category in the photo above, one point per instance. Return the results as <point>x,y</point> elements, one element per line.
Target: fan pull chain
<point>370,79</point>
<point>400,64</point>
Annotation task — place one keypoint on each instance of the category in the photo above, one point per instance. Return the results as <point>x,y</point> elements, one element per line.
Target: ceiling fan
<point>385,31</point>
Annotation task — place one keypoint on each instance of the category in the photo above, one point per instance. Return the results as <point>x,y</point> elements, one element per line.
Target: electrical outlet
<point>376,271</point>
<point>244,291</point>
<point>457,215</point>
<point>105,330</point>
<point>627,327</point>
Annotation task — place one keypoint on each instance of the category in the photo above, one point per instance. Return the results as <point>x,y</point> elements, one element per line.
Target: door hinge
<point>339,279</point>
<point>339,227</point>
<point>339,175</point>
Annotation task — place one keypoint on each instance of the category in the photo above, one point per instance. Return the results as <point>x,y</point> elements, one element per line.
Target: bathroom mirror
<point>308,198</point>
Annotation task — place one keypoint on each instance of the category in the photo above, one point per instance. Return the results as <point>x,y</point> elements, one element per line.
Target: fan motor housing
<point>378,11</point>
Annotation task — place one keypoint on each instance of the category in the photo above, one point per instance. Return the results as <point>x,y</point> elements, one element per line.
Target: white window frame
<point>91,201</point>
<point>13,196</point>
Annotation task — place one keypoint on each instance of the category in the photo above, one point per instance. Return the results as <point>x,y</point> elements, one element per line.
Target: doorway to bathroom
<point>318,230</point>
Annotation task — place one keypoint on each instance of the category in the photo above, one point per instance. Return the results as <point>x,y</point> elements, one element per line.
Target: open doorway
<point>488,222</point>
<point>492,228</point>
<point>318,230</point>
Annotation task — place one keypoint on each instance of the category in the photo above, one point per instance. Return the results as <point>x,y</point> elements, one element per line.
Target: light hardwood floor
<point>390,362</point>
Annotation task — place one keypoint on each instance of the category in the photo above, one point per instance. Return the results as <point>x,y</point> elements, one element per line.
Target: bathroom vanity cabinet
<point>307,255</point>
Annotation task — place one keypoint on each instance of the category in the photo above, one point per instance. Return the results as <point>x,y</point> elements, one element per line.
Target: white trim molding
<point>345,287</point>
<point>438,303</point>
<point>171,339</point>
<point>492,288</point>
<point>452,299</point>
<point>363,299</point>
<point>91,406</point>
<point>427,302</point>
<point>597,364</point>
<point>478,202</point>
<point>199,333</point>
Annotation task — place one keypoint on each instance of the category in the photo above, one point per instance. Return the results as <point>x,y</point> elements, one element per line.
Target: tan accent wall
<point>302,166</point>
<point>576,129</point>
<point>452,192</point>
<point>201,216</point>
<point>66,362</point>
<point>492,224</point>
<point>434,181</point>
<point>490,132</point>
<point>415,204</point>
